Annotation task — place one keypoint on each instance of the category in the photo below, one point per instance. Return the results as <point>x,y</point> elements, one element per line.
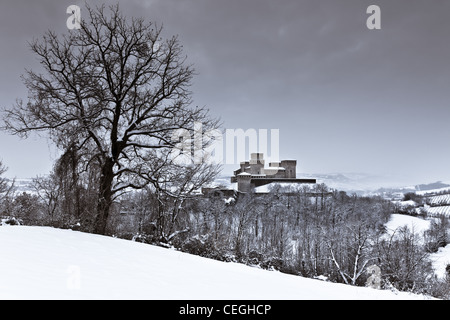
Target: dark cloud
<point>345,98</point>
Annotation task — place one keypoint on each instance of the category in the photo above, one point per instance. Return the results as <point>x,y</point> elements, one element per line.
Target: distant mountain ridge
<point>432,186</point>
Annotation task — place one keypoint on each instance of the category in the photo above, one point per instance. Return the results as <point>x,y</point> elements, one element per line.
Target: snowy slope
<point>416,225</point>
<point>47,263</point>
<point>438,211</point>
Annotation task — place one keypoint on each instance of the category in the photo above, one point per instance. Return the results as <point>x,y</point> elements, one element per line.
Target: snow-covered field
<point>440,260</point>
<point>47,263</point>
<point>416,225</point>
<point>438,211</point>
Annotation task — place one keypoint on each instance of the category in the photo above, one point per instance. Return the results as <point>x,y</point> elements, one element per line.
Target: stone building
<point>253,173</point>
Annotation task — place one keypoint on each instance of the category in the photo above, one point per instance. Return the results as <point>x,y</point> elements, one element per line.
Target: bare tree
<point>3,181</point>
<point>115,88</point>
<point>403,261</point>
<point>7,190</point>
<point>49,193</point>
<point>354,243</point>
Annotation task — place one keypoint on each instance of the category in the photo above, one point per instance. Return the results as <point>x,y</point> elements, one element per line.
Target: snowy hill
<point>47,263</point>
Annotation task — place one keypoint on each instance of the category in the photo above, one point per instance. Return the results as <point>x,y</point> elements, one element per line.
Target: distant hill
<point>432,186</point>
<point>22,185</point>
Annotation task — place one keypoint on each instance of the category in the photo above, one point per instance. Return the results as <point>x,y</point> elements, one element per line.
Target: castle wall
<point>274,172</point>
<point>244,182</point>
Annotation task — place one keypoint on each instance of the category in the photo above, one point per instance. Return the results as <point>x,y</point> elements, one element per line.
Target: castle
<point>253,174</point>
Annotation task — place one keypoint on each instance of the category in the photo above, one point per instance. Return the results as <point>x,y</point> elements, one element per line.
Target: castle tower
<point>290,166</point>
<point>244,182</point>
<point>244,165</point>
<point>256,163</point>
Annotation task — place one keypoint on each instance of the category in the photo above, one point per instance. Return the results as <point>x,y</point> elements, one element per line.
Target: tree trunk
<point>105,197</point>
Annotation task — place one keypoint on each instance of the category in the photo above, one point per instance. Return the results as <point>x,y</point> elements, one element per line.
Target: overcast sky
<point>345,98</point>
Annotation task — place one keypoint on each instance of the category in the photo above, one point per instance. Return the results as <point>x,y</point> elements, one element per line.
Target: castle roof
<point>244,174</point>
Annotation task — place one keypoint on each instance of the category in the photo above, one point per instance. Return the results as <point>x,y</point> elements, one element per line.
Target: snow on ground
<point>440,261</point>
<point>48,263</point>
<point>439,200</point>
<point>416,225</point>
<point>437,211</point>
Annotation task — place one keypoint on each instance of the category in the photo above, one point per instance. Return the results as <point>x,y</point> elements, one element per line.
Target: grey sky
<point>345,98</point>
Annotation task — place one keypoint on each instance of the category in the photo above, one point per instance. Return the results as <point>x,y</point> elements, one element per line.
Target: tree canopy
<point>114,90</point>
